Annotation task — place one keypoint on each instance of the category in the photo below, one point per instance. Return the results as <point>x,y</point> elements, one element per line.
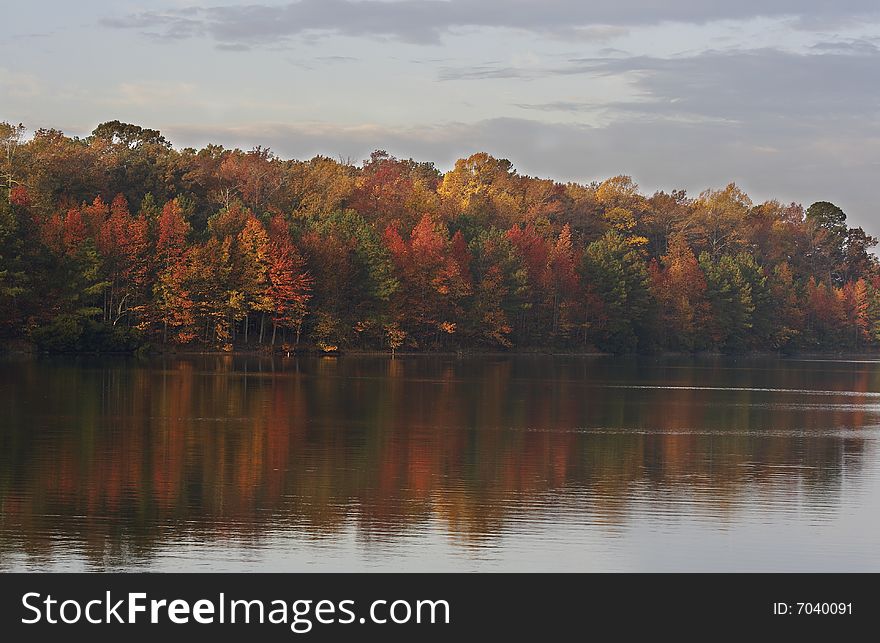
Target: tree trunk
<point>246,324</point>
<point>274,329</point>
<point>262,324</point>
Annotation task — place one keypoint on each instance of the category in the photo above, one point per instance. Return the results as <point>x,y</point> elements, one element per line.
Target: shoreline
<point>24,349</point>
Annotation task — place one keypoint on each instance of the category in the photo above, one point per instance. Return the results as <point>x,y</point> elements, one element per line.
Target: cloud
<point>759,86</point>
<point>561,106</point>
<point>489,72</point>
<point>426,21</point>
<point>862,46</point>
<point>763,86</point>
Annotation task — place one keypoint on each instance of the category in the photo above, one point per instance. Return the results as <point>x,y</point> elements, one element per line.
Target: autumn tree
<point>290,284</point>
<point>253,263</point>
<point>666,214</point>
<point>318,188</point>
<point>123,243</point>
<point>484,188</point>
<point>718,220</point>
<point>254,177</point>
<point>679,287</point>
<point>398,192</point>
<point>825,323</point>
<point>562,284</point>
<point>623,207</point>
<point>118,238</point>
<point>856,303</point>
<point>171,305</point>
<point>216,297</point>
<point>434,272</point>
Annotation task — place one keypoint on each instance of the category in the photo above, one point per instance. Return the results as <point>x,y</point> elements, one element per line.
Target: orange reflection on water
<point>119,455</point>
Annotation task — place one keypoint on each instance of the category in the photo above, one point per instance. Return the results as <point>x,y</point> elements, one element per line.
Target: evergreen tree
<point>619,278</point>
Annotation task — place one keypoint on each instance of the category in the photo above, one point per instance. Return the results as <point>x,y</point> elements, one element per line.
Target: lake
<point>444,463</point>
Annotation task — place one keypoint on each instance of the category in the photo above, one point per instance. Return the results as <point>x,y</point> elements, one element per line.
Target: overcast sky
<point>782,97</point>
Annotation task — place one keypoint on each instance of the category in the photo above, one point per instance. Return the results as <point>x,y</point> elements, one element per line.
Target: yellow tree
<point>719,220</point>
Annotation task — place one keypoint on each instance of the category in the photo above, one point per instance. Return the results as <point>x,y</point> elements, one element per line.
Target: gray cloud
<point>489,72</point>
<point>425,21</point>
<point>860,46</point>
<point>799,90</point>
<point>560,106</point>
<point>757,87</point>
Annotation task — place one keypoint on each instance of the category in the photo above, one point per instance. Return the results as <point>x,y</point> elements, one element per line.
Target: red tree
<point>289,283</point>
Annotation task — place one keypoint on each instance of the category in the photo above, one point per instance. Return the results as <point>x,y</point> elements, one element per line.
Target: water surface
<point>233,463</point>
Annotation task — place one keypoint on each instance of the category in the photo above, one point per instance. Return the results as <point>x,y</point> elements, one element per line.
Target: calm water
<point>354,463</point>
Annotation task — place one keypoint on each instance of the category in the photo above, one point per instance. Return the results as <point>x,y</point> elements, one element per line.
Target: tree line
<point>119,241</point>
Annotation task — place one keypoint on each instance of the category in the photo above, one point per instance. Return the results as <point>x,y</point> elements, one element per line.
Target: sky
<point>782,97</point>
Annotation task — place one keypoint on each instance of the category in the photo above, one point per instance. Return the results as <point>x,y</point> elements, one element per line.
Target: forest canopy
<point>118,240</point>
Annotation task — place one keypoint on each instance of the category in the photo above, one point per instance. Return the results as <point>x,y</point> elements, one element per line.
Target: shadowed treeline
<point>116,458</point>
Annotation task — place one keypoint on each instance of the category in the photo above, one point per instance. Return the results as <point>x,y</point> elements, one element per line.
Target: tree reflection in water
<point>115,458</point>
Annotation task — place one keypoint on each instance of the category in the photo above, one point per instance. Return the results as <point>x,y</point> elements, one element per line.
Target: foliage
<point>120,240</point>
